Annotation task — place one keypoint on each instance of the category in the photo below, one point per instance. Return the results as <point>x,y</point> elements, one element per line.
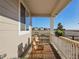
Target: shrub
<point>59,32</point>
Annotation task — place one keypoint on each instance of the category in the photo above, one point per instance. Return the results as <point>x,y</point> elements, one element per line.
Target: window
<point>22,17</point>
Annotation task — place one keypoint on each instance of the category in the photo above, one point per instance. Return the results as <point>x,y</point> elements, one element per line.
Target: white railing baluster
<point>68,47</point>
<point>76,51</point>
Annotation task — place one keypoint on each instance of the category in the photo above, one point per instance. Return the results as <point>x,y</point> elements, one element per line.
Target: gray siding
<point>8,7</point>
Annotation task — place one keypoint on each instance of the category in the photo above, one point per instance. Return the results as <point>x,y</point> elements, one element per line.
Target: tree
<point>60,26</point>
<point>59,31</point>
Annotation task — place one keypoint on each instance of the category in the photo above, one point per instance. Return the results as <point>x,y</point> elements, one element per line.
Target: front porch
<point>16,35</point>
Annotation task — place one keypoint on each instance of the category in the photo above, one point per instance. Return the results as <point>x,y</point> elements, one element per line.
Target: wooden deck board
<point>46,53</point>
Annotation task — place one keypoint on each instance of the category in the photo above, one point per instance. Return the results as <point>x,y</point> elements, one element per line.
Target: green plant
<point>59,31</point>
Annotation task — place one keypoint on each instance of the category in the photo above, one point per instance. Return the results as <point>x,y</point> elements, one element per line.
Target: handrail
<point>70,40</point>
<point>69,48</point>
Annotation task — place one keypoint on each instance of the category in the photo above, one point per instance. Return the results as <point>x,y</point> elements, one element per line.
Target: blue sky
<point>41,22</point>
<point>69,17</point>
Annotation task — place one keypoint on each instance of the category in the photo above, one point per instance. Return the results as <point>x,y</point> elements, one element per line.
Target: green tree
<point>59,31</point>
<point>60,26</point>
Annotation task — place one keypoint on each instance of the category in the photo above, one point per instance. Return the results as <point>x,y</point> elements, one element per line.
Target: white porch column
<point>51,25</point>
<point>30,28</point>
<point>51,28</point>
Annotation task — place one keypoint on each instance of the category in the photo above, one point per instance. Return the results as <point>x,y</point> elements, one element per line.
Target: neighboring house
<point>41,28</point>
<point>14,37</point>
<point>35,28</point>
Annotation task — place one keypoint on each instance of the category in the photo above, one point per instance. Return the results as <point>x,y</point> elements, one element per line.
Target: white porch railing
<point>69,48</point>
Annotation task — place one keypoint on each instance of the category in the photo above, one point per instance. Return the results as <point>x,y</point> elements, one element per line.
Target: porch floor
<point>47,53</point>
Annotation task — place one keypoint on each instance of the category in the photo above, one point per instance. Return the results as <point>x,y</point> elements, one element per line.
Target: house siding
<point>8,7</point>
<point>9,29</point>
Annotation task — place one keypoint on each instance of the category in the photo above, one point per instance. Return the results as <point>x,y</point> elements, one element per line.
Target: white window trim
<point>21,32</point>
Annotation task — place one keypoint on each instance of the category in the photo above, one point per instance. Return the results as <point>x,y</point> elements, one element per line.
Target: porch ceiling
<point>46,7</point>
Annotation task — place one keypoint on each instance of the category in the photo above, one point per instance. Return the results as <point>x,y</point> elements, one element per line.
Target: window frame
<point>25,31</point>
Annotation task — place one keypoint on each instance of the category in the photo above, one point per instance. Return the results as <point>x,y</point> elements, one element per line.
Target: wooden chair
<point>37,46</point>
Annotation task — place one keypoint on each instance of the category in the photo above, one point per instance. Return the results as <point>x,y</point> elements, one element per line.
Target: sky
<point>41,22</point>
<point>69,17</point>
